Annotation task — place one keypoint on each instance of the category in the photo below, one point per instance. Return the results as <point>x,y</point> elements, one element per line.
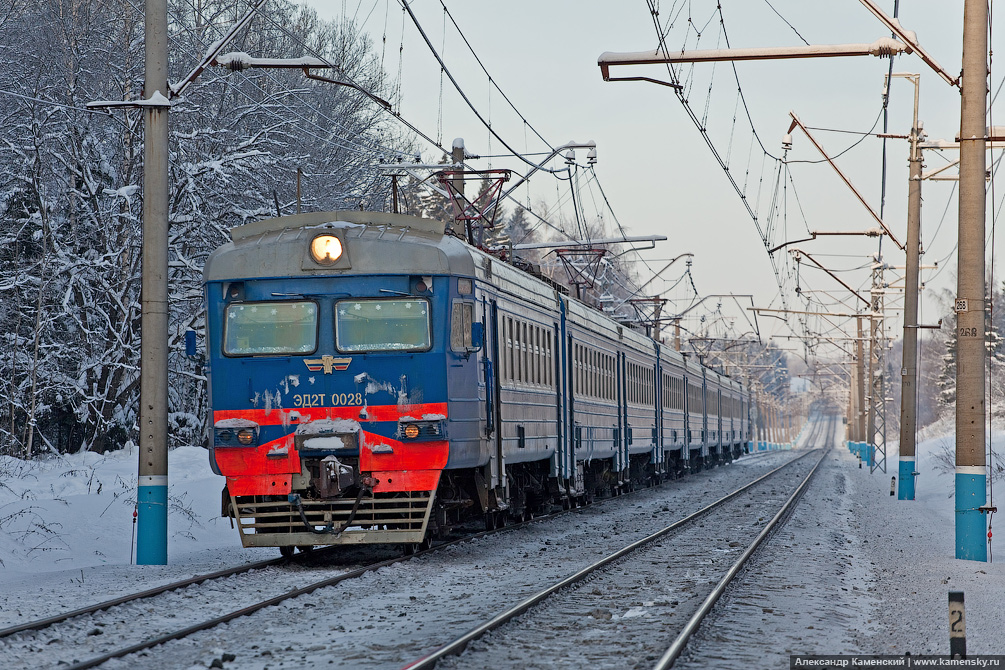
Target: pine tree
<point>947,376</point>
<point>71,196</point>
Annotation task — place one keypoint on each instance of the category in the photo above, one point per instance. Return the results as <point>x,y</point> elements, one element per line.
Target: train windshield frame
<point>383,324</point>
<point>271,328</point>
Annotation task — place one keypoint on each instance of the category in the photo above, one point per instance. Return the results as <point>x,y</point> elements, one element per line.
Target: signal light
<point>411,431</point>
<point>245,436</point>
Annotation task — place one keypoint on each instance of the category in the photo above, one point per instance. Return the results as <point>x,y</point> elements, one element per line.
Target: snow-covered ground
<point>872,572</point>
<point>857,571</point>
<point>66,530</point>
<point>908,548</point>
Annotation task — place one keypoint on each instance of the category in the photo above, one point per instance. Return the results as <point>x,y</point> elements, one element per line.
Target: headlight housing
<point>235,433</point>
<point>411,430</point>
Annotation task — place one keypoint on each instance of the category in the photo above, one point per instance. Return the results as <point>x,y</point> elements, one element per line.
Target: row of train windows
<point>673,398</point>
<point>694,399</point>
<point>641,385</point>
<point>527,353</point>
<point>527,357</point>
<point>593,373</point>
<point>673,392</point>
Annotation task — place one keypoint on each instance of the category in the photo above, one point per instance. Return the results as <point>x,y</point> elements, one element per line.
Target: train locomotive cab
<point>328,344</point>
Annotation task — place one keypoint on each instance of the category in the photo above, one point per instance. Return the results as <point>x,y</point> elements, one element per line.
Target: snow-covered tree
<point>71,197</point>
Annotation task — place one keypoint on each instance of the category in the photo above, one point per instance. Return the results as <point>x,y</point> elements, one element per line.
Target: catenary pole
<point>855,403</point>
<point>971,471</point>
<point>860,412</point>
<point>909,368</point>
<point>871,396</point>
<point>151,538</point>
<point>457,159</point>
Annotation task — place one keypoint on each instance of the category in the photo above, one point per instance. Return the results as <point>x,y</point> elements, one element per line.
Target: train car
<point>374,380</point>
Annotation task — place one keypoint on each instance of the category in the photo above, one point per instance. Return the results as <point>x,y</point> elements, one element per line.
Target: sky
<point>654,167</point>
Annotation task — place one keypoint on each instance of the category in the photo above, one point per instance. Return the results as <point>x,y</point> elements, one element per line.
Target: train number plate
<point>333,399</point>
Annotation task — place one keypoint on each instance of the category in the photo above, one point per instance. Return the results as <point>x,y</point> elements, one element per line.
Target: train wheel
<point>415,547</point>
<point>286,551</point>
<point>495,520</point>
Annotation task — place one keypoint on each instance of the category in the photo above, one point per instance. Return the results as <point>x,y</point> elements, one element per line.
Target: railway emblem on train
<point>327,363</point>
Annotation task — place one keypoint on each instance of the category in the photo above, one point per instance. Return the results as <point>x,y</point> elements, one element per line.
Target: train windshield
<point>382,325</point>
<point>271,328</point>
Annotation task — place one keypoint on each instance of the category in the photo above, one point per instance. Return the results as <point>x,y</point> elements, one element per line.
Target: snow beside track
<point>856,571</point>
<point>853,571</point>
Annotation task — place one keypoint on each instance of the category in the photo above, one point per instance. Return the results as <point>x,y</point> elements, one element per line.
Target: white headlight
<point>326,249</point>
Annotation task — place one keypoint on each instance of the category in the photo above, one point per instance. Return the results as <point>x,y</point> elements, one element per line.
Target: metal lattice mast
<point>877,372</point>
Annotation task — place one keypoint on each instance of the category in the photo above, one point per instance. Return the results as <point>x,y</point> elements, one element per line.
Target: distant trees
<point>71,199</point>
<point>994,326</point>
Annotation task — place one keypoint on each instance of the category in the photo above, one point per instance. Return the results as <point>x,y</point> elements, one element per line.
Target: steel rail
<point>295,593</point>
<point>39,624</point>
<point>251,609</point>
<point>458,645</point>
<point>677,646</point>
<point>149,593</point>
<point>153,642</point>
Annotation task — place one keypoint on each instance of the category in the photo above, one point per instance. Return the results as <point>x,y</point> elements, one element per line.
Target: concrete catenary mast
<point>971,470</point>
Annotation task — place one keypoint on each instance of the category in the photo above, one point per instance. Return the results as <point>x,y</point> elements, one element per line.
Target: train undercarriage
<point>333,504</point>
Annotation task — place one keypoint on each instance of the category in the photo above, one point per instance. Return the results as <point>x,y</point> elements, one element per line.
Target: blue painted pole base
<point>971,525</point>
<point>151,522</point>
<point>905,487</point>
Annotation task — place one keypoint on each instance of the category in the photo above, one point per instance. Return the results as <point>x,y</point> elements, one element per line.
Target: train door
<point>564,467</point>
<point>720,440</point>
<point>621,445</point>
<point>559,461</point>
<point>685,394</point>
<point>704,416</point>
<point>658,455</point>
<point>493,370</point>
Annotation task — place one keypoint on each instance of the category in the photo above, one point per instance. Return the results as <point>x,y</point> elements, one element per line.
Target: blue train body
<point>374,380</point>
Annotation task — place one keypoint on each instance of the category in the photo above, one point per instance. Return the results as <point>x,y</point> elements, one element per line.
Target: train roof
<point>372,243</point>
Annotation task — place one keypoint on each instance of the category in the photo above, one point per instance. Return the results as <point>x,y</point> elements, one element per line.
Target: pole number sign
<point>962,305</point>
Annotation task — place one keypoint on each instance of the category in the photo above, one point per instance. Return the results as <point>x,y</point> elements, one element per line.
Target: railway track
<point>39,624</point>
<point>577,620</point>
<point>101,625</point>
